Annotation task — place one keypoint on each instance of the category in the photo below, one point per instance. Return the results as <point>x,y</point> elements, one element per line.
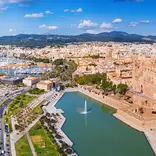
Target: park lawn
<point>19,102</point>
<point>22,147</point>
<point>38,110</point>
<point>42,142</point>
<point>36,91</point>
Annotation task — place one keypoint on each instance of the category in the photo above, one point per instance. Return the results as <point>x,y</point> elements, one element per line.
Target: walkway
<point>151,137</point>
<point>31,144</point>
<point>50,108</point>
<point>14,136</point>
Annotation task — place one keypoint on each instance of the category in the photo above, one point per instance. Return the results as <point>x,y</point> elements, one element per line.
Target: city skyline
<point>68,18</point>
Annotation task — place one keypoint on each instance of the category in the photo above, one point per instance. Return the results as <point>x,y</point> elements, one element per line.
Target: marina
<point>28,71</point>
<point>12,66</point>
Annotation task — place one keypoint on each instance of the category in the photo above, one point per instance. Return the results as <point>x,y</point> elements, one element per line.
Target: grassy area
<point>19,102</point>
<point>15,106</point>
<point>22,147</point>
<point>63,70</point>
<point>42,142</point>
<point>38,110</point>
<point>36,91</point>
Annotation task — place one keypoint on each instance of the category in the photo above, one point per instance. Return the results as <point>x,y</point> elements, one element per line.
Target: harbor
<point>13,66</point>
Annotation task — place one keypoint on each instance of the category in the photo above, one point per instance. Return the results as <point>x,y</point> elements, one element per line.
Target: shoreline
<point>62,119</point>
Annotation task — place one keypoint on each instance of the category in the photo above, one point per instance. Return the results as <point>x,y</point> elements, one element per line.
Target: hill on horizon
<point>41,40</point>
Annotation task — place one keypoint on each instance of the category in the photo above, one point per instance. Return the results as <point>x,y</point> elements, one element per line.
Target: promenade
<point>51,109</point>
<point>61,119</point>
<point>151,137</point>
<point>31,144</point>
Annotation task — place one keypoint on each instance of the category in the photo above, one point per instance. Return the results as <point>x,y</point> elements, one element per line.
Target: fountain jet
<point>85,108</point>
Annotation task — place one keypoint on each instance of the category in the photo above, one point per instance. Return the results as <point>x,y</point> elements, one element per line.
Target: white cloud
<point>117,20</point>
<point>134,24</point>
<point>50,27</point>
<point>3,2</point>
<point>35,15</point>
<point>48,12</point>
<point>97,31</point>
<point>12,30</point>
<point>3,9</point>
<point>144,21</point>
<point>106,26</point>
<point>93,31</point>
<point>78,10</point>
<point>66,10</point>
<point>87,24</point>
<point>18,1</point>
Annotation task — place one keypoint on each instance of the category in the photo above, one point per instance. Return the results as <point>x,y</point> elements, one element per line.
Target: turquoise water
<point>98,133</point>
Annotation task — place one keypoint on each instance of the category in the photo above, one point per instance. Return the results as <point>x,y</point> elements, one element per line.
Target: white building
<point>30,81</point>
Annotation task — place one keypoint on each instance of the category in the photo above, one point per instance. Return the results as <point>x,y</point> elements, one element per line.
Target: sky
<point>72,17</point>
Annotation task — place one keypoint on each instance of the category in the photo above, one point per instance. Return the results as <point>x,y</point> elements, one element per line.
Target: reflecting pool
<point>98,133</point>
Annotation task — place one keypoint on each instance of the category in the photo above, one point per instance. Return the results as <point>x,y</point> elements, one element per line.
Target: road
<point>4,135</point>
<point>2,128</point>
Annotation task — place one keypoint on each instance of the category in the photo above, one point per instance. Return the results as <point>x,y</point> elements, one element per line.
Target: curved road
<point>3,106</point>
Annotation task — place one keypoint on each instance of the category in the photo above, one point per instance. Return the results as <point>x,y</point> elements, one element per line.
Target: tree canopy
<point>101,81</point>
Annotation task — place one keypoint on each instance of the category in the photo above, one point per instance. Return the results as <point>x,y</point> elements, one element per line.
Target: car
<point>2,151</point>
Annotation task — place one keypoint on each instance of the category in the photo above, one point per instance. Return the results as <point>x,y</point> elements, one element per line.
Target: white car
<point>2,152</point>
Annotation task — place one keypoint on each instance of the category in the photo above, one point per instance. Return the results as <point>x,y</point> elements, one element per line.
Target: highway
<point>2,129</point>
<point>4,135</point>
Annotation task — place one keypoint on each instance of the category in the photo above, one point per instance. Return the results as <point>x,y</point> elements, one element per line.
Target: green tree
<point>122,88</point>
<point>58,62</point>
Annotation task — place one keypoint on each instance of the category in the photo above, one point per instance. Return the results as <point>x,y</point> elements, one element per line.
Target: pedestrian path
<point>31,144</point>
<point>151,136</point>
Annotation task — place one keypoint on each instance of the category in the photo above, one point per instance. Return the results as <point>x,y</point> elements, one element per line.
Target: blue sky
<point>71,17</point>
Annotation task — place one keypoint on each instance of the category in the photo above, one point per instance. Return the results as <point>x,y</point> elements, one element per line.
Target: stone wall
<point>144,77</point>
<point>144,102</point>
